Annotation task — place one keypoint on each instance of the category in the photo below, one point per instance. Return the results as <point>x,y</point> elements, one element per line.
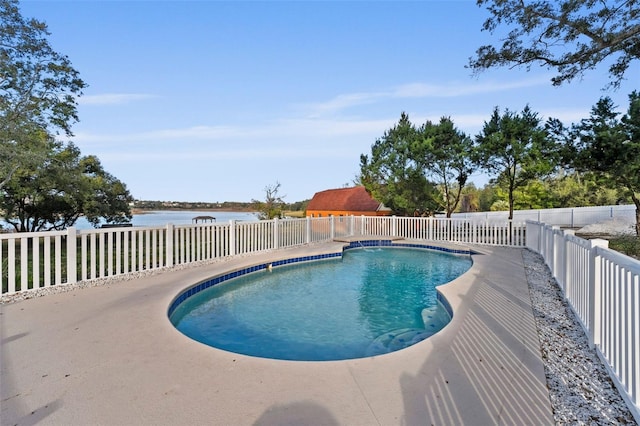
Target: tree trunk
<point>637,203</point>
<point>511,204</point>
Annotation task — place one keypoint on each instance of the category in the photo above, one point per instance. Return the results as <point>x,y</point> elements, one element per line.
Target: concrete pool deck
<point>108,355</point>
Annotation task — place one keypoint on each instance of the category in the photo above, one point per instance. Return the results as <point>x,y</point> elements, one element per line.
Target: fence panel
<point>375,226</point>
<point>619,318</point>
<point>29,261</point>
<point>342,226</point>
<point>602,288</point>
<point>320,229</point>
<point>415,228</point>
<point>292,232</point>
<point>573,217</point>
<point>576,275</point>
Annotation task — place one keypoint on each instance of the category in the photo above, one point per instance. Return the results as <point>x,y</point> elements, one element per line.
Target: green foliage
<point>582,189</point>
<point>570,36</point>
<point>487,196</point>
<point>499,206</point>
<point>418,169</point>
<point>105,197</point>
<point>26,148</point>
<point>626,244</point>
<point>515,149</point>
<point>38,86</point>
<point>600,161</point>
<point>392,174</point>
<point>273,206</point>
<point>55,193</point>
<point>534,195</point>
<point>442,151</point>
<point>556,191</point>
<point>193,205</point>
<point>298,206</point>
<point>569,190</point>
<point>610,147</point>
<point>45,184</point>
<point>470,199</point>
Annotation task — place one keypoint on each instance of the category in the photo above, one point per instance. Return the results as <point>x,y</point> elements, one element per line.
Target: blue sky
<point>214,101</point>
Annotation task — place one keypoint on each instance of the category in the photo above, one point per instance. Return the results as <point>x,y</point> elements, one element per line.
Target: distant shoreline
<point>137,210</point>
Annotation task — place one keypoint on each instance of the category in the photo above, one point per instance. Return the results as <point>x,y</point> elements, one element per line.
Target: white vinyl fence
<point>568,217</point>
<point>602,287</point>
<point>30,261</point>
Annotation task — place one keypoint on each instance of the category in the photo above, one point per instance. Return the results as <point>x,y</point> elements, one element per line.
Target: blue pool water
<point>370,302</point>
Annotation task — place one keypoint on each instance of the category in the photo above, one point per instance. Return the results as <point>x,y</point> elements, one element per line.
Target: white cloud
<point>113,98</point>
<point>456,89</point>
<point>285,130</point>
<point>314,128</point>
<point>421,90</point>
<point>187,133</point>
<point>229,155</point>
<point>341,102</point>
<point>196,133</point>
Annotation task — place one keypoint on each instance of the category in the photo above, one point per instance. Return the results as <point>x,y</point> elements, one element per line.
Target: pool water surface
<point>369,302</point>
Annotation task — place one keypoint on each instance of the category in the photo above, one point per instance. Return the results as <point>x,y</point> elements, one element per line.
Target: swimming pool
<point>369,301</point>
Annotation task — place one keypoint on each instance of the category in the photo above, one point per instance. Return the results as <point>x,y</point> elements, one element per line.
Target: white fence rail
<point>603,289</point>
<point>571,217</point>
<point>29,261</point>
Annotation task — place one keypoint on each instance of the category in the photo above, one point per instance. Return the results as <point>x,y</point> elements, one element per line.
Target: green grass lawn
<point>628,244</point>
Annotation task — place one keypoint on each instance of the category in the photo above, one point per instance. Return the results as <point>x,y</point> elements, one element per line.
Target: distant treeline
<point>235,206</point>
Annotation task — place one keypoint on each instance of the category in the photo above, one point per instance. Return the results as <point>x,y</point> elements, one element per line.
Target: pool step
<point>396,340</point>
<point>434,317</point>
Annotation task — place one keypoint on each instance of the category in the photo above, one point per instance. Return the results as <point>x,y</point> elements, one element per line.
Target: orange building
<point>354,201</point>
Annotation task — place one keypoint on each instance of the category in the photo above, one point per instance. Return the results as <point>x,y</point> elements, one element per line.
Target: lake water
<point>181,217</point>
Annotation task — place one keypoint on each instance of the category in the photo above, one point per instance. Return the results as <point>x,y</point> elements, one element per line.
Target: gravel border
<point>580,388</point>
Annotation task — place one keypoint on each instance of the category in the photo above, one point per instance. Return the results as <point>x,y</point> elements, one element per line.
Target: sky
<point>215,101</point>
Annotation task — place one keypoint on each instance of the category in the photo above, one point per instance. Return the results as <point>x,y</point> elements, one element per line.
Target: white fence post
<point>595,291</point>
<point>72,256</point>
<point>24,263</point>
<point>474,232</point>
<point>557,244</point>
<point>352,226</point>
<point>533,235</point>
<point>567,270</point>
<point>11,266</point>
<point>332,222</point>
<point>308,229</point>
<point>232,237</point>
<point>572,220</point>
<point>168,245</point>
<point>276,233</point>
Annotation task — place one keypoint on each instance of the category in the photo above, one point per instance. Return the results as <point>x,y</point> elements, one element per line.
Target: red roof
<point>346,199</point>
